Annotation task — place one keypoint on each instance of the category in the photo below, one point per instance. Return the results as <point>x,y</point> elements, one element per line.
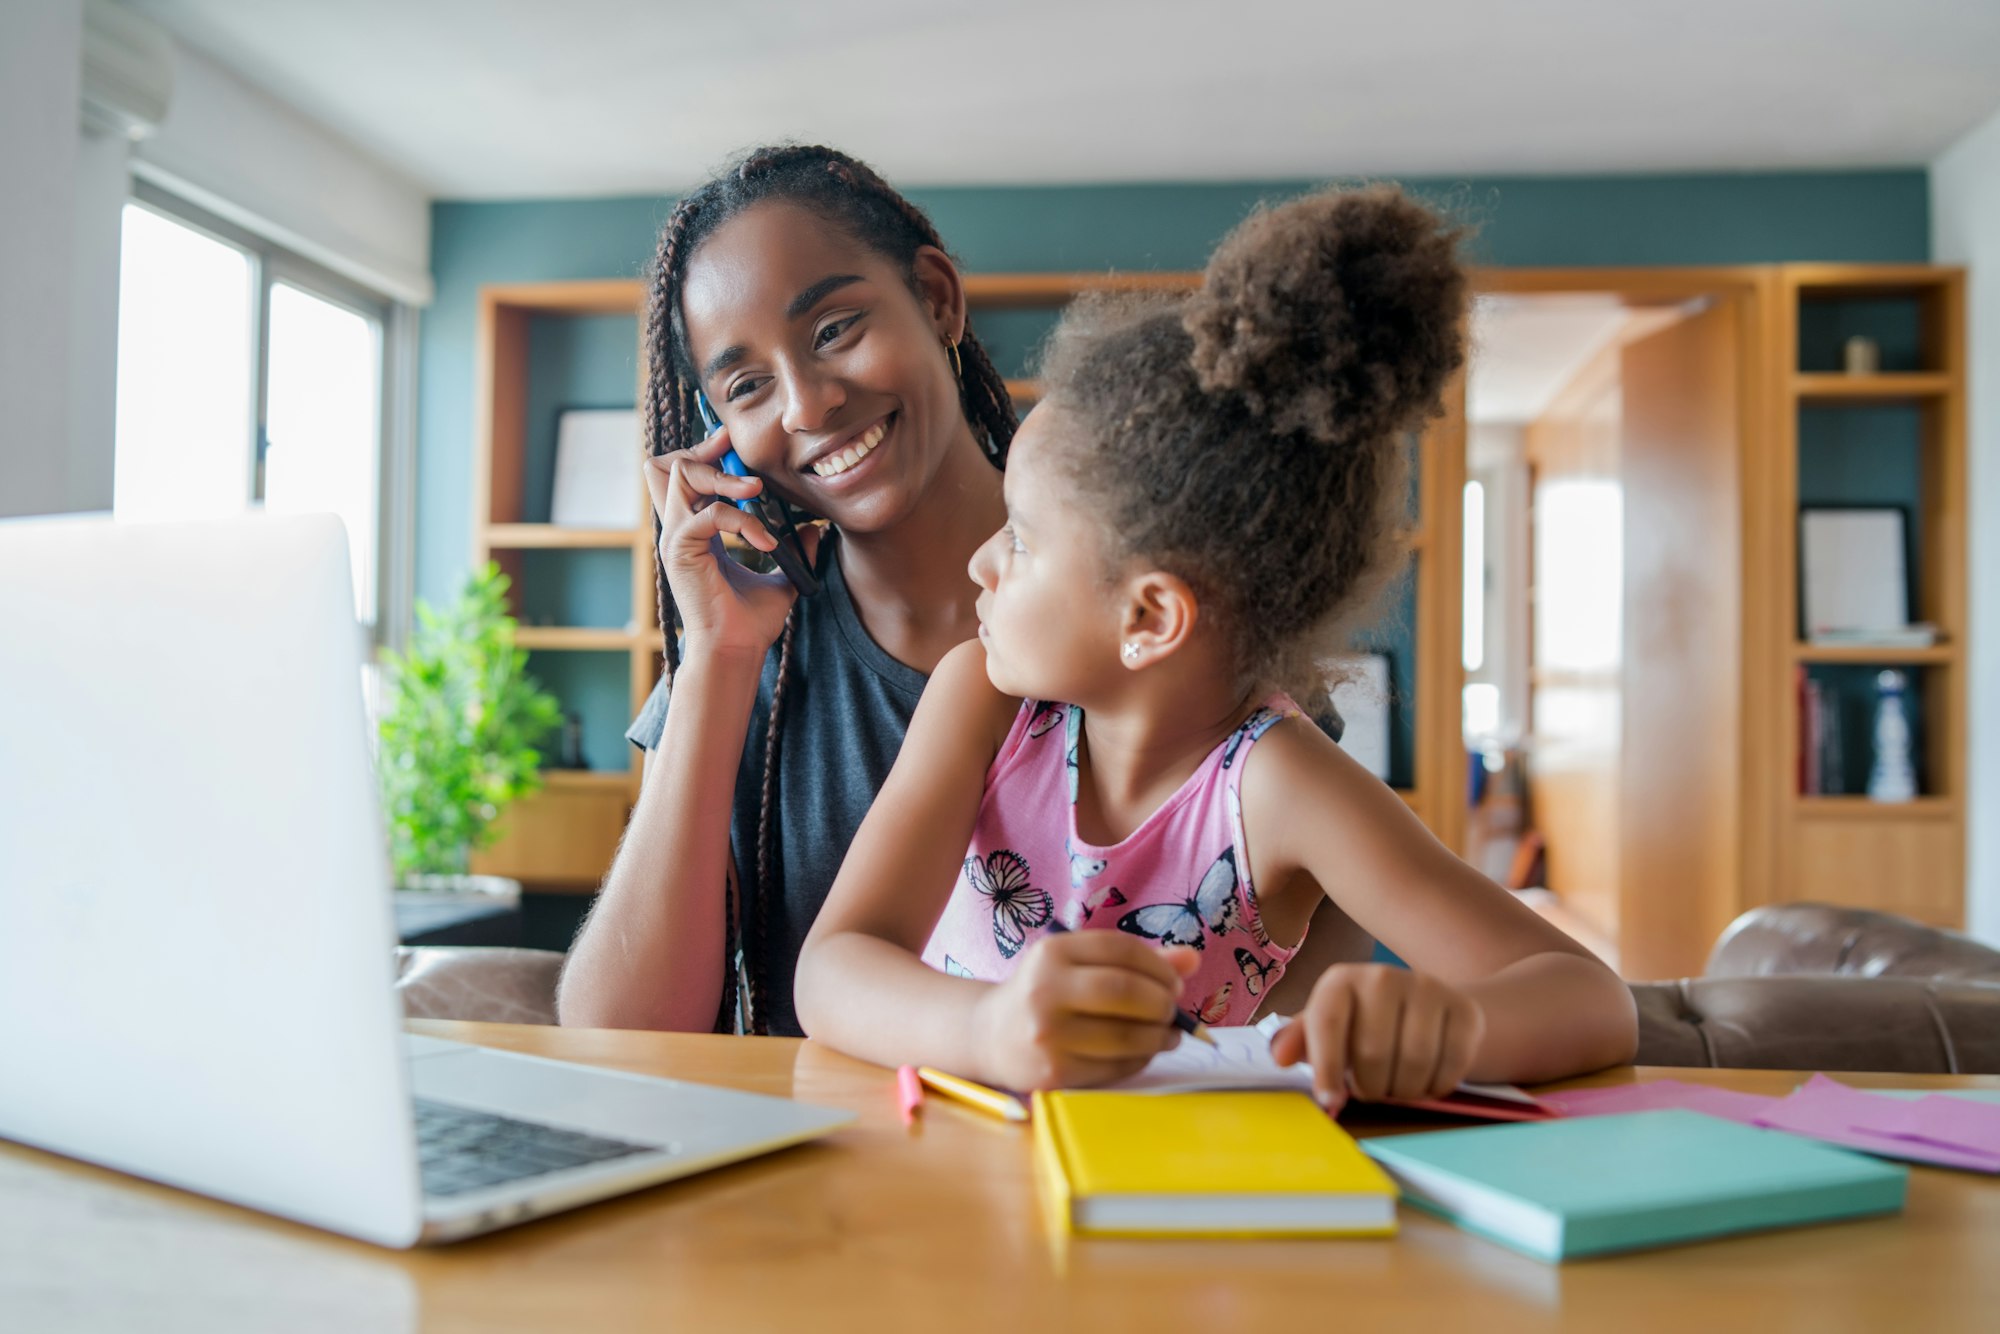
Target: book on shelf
<point>1822,754</point>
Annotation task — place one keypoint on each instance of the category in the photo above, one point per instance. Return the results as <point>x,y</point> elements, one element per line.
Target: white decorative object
<point>1892,777</point>
<point>1363,703</point>
<point>1860,356</point>
<point>597,483</point>
<point>1852,571</point>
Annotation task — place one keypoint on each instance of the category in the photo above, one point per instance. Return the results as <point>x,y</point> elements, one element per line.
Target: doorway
<point>1609,420</point>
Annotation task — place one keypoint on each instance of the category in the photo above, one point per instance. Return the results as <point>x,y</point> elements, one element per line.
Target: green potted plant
<point>458,738</point>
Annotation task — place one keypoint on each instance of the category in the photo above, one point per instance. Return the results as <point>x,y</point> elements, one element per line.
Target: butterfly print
<point>1074,734</point>
<point>955,968</point>
<point>1018,907</point>
<point>1256,973</point>
<point>1216,1008</point>
<point>1213,904</point>
<point>1084,868</point>
<point>1044,719</point>
<point>1104,896</point>
<point>1253,727</point>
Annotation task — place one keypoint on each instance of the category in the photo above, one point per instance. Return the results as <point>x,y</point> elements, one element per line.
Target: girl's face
<point>1049,605</point>
<point>830,373</point>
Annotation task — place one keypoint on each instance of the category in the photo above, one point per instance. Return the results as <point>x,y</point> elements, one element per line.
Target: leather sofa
<point>1807,986</point>
<point>1792,987</point>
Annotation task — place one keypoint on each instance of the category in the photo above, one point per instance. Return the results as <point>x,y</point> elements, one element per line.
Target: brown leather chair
<point>1809,986</point>
<point>484,983</point>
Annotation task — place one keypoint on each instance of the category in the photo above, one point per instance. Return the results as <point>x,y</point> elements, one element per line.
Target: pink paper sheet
<point>1941,1131</point>
<point>1954,1123</point>
<point>1826,1109</point>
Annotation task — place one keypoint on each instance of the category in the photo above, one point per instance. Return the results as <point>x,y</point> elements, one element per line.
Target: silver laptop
<point>195,921</point>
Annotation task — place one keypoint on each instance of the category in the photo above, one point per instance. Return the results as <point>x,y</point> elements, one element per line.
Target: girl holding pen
<point>1109,811</point>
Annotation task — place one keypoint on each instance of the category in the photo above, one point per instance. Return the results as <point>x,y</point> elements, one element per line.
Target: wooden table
<point>936,1228</point>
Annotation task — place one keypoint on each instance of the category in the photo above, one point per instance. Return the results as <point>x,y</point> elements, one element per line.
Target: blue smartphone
<point>774,513</point>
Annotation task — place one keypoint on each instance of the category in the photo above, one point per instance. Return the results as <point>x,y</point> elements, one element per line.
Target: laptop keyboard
<point>460,1149</point>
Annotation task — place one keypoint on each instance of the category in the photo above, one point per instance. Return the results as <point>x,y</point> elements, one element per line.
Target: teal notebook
<point>1594,1184</point>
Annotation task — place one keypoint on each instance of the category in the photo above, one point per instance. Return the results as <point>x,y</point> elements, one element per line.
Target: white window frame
<point>395,464</point>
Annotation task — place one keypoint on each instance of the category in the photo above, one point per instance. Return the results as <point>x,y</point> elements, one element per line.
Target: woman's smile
<point>843,466</point>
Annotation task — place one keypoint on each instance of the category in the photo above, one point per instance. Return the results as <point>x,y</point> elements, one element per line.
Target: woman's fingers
<point>678,484</point>
<point>713,520</point>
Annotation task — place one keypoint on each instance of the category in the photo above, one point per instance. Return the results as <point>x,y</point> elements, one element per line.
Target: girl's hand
<point>1084,1007</point>
<point>1383,1032</point>
<point>725,608</point>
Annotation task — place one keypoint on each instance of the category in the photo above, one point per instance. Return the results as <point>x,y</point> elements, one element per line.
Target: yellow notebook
<point>1259,1164</point>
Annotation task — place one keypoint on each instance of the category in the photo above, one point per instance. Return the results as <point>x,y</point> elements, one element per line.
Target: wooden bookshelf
<point>564,837</point>
<point>1903,857</point>
<point>545,536</point>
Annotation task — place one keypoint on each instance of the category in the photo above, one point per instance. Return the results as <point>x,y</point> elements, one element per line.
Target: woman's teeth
<point>833,464</point>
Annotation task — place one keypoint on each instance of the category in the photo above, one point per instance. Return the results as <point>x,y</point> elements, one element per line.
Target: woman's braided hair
<point>851,196</point>
<point>1251,438</point>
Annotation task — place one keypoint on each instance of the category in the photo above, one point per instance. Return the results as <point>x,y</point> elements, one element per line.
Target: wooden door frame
<point>1752,291</point>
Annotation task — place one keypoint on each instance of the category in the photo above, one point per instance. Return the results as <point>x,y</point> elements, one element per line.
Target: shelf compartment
<point>589,780</point>
<point>538,536</point>
<point>1861,808</point>
<point>562,837</point>
<point>539,638</point>
<point>1914,867</point>
<point>1875,655</point>
<point>1900,387</point>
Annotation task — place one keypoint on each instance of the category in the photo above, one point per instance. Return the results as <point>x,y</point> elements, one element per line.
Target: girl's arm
<point>1087,1006</point>
<point>1493,992</point>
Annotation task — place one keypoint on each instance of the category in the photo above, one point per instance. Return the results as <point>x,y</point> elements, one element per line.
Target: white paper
<point>1851,567</point>
<point>1241,1059</point>
<point>597,480</point>
<point>1363,702</point>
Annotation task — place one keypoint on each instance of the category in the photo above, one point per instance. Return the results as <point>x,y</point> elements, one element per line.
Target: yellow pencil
<point>994,1102</point>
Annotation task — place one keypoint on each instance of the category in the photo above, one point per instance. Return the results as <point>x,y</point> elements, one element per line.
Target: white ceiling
<point>512,98</point>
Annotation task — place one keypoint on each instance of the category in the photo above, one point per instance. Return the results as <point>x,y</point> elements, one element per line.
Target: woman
<point>817,311</point>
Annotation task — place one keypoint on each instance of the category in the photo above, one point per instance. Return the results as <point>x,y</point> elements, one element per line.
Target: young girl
<point>817,311</point>
<point>1209,494</point>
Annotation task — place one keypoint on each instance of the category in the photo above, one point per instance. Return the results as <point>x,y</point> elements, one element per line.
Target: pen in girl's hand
<point>1184,1021</point>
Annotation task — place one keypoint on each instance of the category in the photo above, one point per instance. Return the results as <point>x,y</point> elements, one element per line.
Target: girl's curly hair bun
<point>1338,316</point>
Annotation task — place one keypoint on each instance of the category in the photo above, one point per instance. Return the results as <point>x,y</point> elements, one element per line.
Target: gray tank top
<point>848,705</point>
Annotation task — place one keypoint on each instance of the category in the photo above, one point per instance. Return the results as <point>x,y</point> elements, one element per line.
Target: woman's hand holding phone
<point>725,608</point>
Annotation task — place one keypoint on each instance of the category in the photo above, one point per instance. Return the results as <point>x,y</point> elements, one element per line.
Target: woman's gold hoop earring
<point>957,366</point>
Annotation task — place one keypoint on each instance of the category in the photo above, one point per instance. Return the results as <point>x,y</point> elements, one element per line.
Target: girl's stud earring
<point>1130,651</point>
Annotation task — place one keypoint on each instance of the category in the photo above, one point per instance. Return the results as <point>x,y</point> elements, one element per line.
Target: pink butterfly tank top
<point>1182,877</point>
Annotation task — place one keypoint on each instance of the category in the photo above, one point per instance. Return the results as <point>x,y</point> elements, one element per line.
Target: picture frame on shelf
<point>597,469</point>
<point>1854,571</point>
<point>1362,700</point>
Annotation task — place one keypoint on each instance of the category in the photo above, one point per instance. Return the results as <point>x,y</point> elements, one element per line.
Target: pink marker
<point>909,1093</point>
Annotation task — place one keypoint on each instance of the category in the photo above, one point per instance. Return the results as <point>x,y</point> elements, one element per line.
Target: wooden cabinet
<point>1895,437</point>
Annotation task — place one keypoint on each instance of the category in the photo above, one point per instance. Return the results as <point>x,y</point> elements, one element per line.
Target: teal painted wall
<point>1710,219</point>
<point>1859,216</point>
